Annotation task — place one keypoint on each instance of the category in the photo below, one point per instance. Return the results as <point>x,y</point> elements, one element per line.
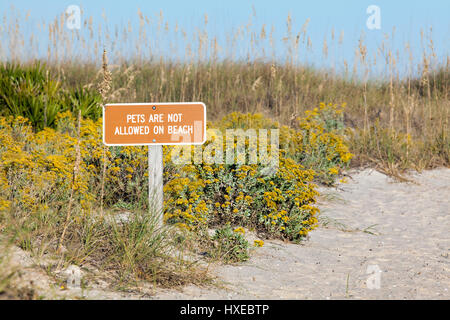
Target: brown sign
<point>154,123</point>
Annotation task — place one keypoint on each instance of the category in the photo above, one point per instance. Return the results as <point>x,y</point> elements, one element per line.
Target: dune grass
<point>397,97</point>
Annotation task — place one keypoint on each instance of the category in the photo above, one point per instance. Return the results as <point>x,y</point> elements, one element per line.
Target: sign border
<point>152,104</point>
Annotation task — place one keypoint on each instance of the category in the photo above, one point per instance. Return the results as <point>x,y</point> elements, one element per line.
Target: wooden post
<point>155,181</point>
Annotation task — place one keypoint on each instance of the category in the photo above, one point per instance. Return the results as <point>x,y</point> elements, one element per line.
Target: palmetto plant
<point>31,92</point>
<point>87,101</point>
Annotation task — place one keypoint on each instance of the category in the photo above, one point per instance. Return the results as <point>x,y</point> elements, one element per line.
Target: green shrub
<point>230,245</point>
<point>31,92</point>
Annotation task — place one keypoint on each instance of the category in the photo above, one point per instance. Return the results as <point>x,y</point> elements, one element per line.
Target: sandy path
<point>408,239</point>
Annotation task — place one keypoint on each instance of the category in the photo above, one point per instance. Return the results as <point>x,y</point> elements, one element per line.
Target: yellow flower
<point>333,170</point>
<point>343,180</point>
<point>239,230</point>
<point>258,243</point>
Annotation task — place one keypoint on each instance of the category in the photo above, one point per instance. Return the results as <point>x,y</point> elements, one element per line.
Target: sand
<point>371,226</point>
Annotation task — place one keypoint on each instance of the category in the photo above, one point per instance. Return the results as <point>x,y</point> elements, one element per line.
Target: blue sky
<point>349,16</point>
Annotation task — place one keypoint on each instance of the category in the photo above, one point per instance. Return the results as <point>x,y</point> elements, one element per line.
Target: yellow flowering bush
<point>126,176</point>
<point>318,142</point>
<point>36,168</point>
<point>281,204</point>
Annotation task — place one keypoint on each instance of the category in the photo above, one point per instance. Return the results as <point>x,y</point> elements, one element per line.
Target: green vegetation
<point>230,245</point>
<point>30,92</point>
